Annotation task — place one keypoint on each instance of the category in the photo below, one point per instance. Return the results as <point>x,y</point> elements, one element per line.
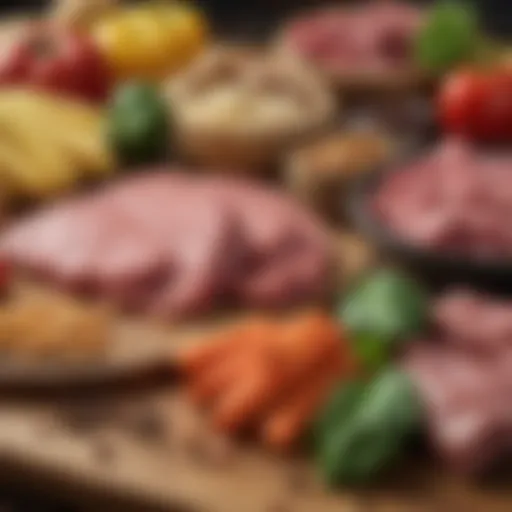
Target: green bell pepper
<point>386,308</point>
<point>138,124</point>
<point>369,428</point>
<point>449,37</point>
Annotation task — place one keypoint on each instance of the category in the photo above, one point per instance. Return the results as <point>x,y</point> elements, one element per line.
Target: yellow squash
<point>150,41</point>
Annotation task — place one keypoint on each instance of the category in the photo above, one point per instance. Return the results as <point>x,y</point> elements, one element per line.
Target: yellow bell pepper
<point>150,41</point>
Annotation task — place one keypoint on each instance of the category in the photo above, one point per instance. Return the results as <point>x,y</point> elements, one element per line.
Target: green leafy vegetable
<point>386,308</point>
<point>340,404</point>
<point>366,429</point>
<point>450,36</point>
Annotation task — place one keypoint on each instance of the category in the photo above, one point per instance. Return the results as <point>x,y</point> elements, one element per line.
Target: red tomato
<point>478,104</point>
<point>58,60</point>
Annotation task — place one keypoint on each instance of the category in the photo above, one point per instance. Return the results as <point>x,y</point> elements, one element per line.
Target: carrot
<point>237,407</point>
<point>306,341</point>
<point>286,424</point>
<point>302,348</point>
<point>252,331</point>
<point>223,375</point>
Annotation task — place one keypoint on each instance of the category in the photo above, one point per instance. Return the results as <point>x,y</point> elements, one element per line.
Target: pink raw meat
<point>363,39</point>
<point>197,231</point>
<point>176,245</point>
<point>287,257</point>
<point>456,199</point>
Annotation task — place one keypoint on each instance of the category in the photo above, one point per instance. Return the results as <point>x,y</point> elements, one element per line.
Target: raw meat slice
<point>364,39</point>
<point>176,244</point>
<point>199,233</point>
<point>456,199</point>
<point>63,233</point>
<point>465,401</point>
<point>288,253</point>
<point>83,245</point>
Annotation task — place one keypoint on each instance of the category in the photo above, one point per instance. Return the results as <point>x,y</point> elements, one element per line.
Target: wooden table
<point>141,451</point>
<point>139,446</point>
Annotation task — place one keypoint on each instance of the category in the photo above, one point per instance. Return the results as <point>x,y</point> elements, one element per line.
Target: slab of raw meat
<point>365,39</point>
<point>457,199</point>
<point>464,378</point>
<point>175,244</point>
<point>466,401</point>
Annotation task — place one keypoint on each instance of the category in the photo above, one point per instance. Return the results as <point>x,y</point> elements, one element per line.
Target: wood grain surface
<point>139,446</point>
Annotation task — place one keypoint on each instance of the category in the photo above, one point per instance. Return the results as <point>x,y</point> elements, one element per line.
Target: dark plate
<point>439,268</point>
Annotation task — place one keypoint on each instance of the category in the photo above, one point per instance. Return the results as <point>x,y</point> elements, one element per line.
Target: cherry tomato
<point>56,59</point>
<point>478,104</point>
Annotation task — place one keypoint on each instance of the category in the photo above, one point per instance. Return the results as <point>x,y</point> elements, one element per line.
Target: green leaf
<point>338,406</point>
<point>450,36</point>
<point>387,308</point>
<point>374,432</point>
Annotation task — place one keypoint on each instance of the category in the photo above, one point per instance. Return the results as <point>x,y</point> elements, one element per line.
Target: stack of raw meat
<point>464,376</point>
<point>362,39</point>
<point>454,199</point>
<point>174,245</point>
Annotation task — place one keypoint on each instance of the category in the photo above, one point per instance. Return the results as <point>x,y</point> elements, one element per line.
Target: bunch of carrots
<point>268,376</point>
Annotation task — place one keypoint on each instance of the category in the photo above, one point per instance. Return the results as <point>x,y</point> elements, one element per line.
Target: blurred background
<point>244,20</point>
<point>249,19</point>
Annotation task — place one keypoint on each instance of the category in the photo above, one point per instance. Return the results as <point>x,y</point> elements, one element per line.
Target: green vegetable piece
<point>386,308</point>
<point>338,406</point>
<point>449,37</point>
<point>137,124</point>
<point>373,433</point>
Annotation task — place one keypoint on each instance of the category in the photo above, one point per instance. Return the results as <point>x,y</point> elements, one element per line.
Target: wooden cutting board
<point>148,451</point>
<point>140,446</point>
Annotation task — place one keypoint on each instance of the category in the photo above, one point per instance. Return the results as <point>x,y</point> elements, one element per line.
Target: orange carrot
<point>237,406</point>
<point>303,348</point>
<point>195,359</point>
<point>223,375</point>
<point>305,342</point>
<point>286,424</point>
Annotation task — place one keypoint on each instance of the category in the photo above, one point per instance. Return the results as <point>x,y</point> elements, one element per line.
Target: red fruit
<point>478,104</point>
<point>58,60</point>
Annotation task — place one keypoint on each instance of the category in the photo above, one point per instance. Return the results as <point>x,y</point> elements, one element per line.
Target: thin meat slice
<point>465,402</point>
<point>197,231</point>
<point>474,322</point>
<point>365,39</point>
<point>287,257</point>
<point>176,245</point>
<point>455,199</point>
<point>54,244</point>
<point>130,262</point>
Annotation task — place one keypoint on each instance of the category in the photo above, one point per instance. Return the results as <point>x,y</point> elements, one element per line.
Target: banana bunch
<point>49,144</point>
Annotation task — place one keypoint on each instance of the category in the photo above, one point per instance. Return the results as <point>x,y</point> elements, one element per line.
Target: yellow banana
<point>47,144</point>
<point>76,126</point>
